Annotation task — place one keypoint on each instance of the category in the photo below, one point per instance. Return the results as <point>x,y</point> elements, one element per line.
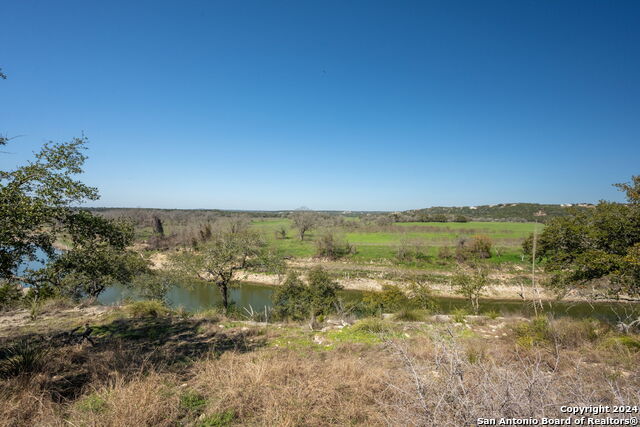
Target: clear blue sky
<point>329,104</point>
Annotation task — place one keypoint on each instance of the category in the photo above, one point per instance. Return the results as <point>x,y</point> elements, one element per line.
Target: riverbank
<point>374,277</point>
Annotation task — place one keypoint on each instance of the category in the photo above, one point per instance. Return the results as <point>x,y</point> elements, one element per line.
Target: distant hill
<point>519,212</point>
<point>514,212</point>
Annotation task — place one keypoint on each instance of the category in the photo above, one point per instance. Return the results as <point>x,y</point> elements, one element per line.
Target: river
<point>257,296</point>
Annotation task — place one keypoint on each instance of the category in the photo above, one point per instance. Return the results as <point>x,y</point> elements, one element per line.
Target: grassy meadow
<point>380,244</point>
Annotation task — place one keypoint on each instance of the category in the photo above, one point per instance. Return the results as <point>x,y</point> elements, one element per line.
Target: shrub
<point>492,314</point>
<point>445,253</point>
<point>296,300</point>
<point>411,251</point>
<point>328,246</point>
<point>390,299</point>
<point>409,315</point>
<point>458,315</point>
<point>532,333</point>
<point>420,295</point>
<point>281,233</point>
<point>625,341</point>
<point>403,253</point>
<point>572,333</point>
<point>154,285</point>
<point>10,296</point>
<point>151,308</point>
<point>471,286</point>
<point>322,291</point>
<point>23,357</point>
<point>462,250</point>
<point>436,218</point>
<point>480,246</point>
<point>211,314</point>
<point>371,325</point>
<point>291,299</point>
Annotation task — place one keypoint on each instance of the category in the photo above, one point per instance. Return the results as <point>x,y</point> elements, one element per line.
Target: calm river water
<point>197,297</point>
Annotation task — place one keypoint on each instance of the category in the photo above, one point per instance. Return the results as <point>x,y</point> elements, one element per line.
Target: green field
<point>382,244</point>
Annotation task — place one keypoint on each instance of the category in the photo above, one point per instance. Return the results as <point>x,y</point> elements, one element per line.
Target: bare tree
<point>304,221</point>
<point>157,226</point>
<point>238,224</point>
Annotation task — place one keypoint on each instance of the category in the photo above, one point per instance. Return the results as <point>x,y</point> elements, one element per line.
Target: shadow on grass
<point>126,347</point>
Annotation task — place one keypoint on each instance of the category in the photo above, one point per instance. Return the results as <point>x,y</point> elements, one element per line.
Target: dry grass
<point>141,400</point>
<point>201,374</point>
<point>288,388</point>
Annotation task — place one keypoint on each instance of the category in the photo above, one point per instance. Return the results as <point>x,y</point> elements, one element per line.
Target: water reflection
<point>202,296</point>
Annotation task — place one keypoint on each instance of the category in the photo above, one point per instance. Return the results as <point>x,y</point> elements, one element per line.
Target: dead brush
<point>443,387</point>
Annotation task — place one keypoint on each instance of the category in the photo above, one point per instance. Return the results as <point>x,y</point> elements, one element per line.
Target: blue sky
<point>329,104</point>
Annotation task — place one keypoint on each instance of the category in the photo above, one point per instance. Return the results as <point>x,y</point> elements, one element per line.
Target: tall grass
<point>150,308</point>
<point>24,357</point>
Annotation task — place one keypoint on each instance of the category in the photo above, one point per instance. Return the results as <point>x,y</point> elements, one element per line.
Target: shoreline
<point>499,291</point>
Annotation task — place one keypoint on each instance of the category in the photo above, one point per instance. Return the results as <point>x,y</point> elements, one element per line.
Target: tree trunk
<point>312,321</point>
<point>224,292</point>
<point>157,226</point>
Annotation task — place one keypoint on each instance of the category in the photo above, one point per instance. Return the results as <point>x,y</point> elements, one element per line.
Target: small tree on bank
<point>596,251</point>
<point>220,258</point>
<point>291,299</point>
<point>296,300</point>
<point>35,211</point>
<point>98,257</point>
<point>471,286</point>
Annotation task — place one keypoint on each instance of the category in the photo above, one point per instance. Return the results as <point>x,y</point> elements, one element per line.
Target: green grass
<point>92,403</point>
<point>524,228</point>
<point>219,419</point>
<point>372,325</point>
<point>151,308</point>
<point>192,401</point>
<point>409,315</point>
<point>382,245</point>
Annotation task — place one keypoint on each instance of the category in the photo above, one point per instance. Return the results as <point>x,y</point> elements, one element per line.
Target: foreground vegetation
<point>148,365</point>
